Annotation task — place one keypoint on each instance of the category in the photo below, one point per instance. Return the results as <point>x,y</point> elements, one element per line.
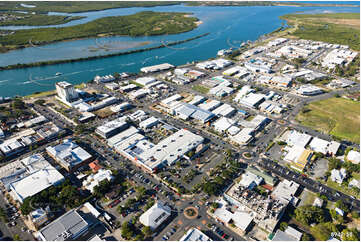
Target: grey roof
<point>282,236</point>
<point>71,222</point>
<point>202,115</point>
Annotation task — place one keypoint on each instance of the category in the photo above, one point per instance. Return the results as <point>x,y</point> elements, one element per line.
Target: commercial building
<point>309,90</point>
<point>243,137</point>
<point>49,131</point>
<point>258,66</point>
<point>128,88</point>
<point>153,156</point>
<point>210,105</point>
<point>111,128</point>
<point>38,217</point>
<point>338,57</point>
<point>285,191</point>
<point>325,147</point>
<point>298,157</point>
<point>268,179</point>
<point>66,91</point>
<point>112,86</point>
<point>277,42</point>
<point>266,212</point>
<point>225,110</point>
<point>138,94</point>
<point>69,155</point>
<point>281,81</point>
<point>197,100</point>
<point>113,141</point>
<point>35,121</point>
<point>295,138</point>
<point>222,124</point>
<point>156,68</point>
<point>186,111</point>
<point>194,234</point>
<point>290,234</point>
<point>104,79</point>
<point>217,64</point>
<point>70,226</point>
<point>292,51</point>
<point>238,218</point>
<point>93,180</point>
<point>155,215</point>
<point>121,107</point>
<point>250,180</point>
<point>252,100</point>
<point>33,175</point>
<point>148,123</point>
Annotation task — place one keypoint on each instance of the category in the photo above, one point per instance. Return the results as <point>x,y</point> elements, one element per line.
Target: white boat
<point>58,74</point>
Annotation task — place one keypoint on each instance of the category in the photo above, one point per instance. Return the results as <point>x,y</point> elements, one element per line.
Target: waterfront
<point>229,26</point>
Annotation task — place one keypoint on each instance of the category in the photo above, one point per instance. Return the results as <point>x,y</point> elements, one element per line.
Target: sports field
<point>337,116</point>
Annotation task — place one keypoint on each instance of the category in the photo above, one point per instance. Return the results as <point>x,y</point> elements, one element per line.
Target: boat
<point>58,74</point>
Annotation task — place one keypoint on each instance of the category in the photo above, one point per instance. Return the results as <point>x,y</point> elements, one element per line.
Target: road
<point>308,183</point>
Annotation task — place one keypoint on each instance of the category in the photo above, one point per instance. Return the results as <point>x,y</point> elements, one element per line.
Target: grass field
<point>39,19</point>
<point>339,28</point>
<point>142,23</point>
<point>341,188</point>
<point>201,89</point>
<point>337,116</point>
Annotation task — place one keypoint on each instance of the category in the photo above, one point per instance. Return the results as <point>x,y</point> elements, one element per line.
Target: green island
<point>37,19</point>
<point>77,7</point>
<point>53,62</point>
<point>339,117</point>
<point>336,28</point>
<point>139,24</point>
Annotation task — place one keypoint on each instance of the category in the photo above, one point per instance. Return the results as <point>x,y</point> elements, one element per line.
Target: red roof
<point>95,166</point>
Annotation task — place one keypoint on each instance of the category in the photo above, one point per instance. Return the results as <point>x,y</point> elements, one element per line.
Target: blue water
<point>229,26</point>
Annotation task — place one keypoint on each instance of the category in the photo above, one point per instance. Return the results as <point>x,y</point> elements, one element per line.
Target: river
<point>229,26</point>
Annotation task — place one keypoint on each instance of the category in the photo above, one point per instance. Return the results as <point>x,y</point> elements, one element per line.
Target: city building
<point>66,91</point>
<point>285,191</point>
<point>155,215</point>
<point>290,234</point>
<point>113,141</point>
<point>156,68</point>
<point>104,79</point>
<point>194,234</point>
<point>35,121</point>
<point>223,124</point>
<point>298,157</point>
<point>70,226</point>
<point>49,131</point>
<point>35,175</point>
<point>69,155</point>
<point>250,180</point>
<point>111,128</point>
<point>325,147</point>
<point>38,217</point>
<point>309,90</point>
<point>148,123</point>
<point>268,178</point>
<point>225,110</point>
<point>237,217</point>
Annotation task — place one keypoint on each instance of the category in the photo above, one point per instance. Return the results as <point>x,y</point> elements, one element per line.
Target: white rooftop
<point>155,215</point>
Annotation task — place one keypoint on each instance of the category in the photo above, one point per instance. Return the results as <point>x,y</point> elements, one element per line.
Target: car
<point>23,229</point>
<point>173,230</point>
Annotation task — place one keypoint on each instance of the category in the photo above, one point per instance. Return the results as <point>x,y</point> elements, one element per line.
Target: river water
<point>228,27</point>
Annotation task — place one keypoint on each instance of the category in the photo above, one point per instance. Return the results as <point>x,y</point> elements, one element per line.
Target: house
<point>338,175</point>
<point>353,156</point>
<point>155,215</point>
<point>94,166</point>
<point>318,202</point>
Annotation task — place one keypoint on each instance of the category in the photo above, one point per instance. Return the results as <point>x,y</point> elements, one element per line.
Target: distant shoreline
<point>54,62</point>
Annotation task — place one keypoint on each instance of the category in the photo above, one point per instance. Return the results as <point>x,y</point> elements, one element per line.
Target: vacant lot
<point>337,116</point>
<point>339,28</point>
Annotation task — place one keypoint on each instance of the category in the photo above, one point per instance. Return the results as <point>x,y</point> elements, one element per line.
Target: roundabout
<point>191,212</point>
<point>247,155</point>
